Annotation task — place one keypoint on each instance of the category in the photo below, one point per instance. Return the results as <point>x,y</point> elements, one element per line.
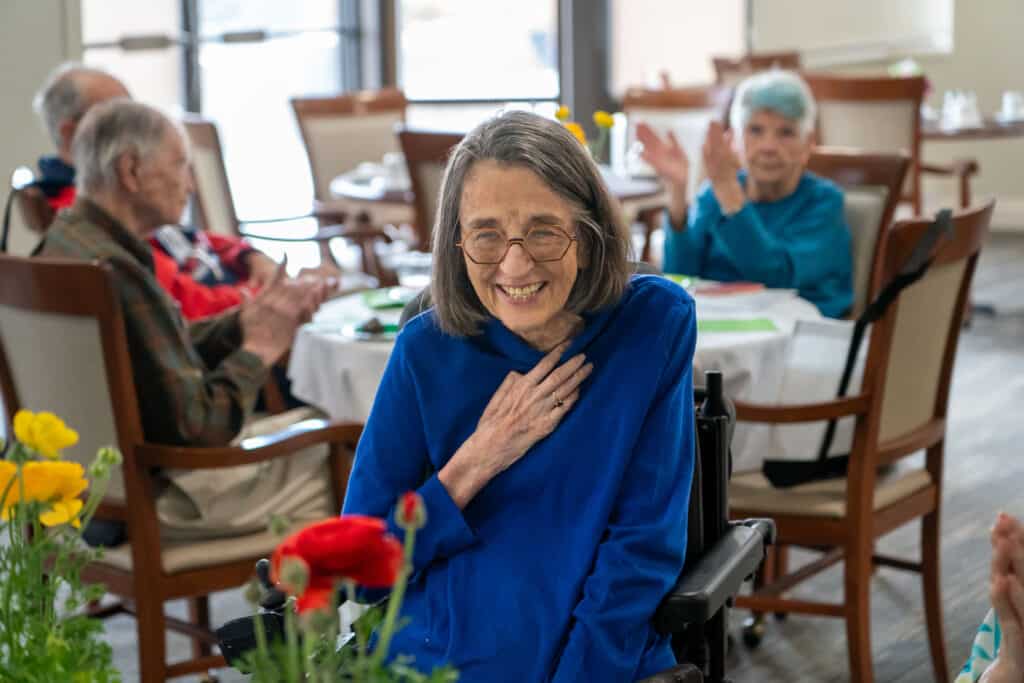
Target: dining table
<point>744,332</point>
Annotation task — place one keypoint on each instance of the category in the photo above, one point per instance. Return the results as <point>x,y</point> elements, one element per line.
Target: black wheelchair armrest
<point>705,586</point>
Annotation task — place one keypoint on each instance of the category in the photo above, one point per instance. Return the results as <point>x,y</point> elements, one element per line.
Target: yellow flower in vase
<point>562,113</point>
<point>603,120</point>
<point>43,432</point>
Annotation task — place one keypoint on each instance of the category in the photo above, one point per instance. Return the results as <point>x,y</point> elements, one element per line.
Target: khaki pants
<point>204,504</point>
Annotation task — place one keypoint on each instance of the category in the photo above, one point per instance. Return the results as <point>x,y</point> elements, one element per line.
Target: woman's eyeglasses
<point>488,246</point>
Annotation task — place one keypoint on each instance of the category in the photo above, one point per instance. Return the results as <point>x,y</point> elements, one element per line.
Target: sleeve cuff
<point>446,533</point>
<point>247,370</point>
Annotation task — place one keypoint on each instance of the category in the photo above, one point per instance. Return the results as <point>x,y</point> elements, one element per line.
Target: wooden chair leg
<point>858,614</point>
<point>152,627</point>
<point>199,614</point>
<point>930,575</point>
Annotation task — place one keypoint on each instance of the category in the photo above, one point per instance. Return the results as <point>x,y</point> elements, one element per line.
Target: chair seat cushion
<point>754,494</point>
<point>189,555</point>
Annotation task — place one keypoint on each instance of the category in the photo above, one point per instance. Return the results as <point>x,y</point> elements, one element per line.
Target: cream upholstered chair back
<point>925,323</point>
<point>877,114</point>
<point>426,155</point>
<point>863,208</point>
<point>341,132</point>
<point>213,190</point>
<point>871,186</point>
<point>52,353</point>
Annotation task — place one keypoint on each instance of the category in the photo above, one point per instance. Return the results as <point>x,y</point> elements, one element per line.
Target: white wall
<point>677,36</point>
<point>35,36</point>
<point>845,30</point>
<point>988,58</point>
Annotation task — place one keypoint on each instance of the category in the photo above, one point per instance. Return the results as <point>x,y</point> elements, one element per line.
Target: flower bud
<point>412,513</point>
<point>252,592</point>
<point>109,456</point>
<point>99,469</point>
<point>294,575</point>
<point>279,526</point>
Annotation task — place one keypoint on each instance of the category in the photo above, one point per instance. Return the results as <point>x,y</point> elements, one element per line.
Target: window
<point>236,62</point>
<point>457,64</point>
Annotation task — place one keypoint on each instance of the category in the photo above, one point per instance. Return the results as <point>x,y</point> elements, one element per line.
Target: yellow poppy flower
<point>62,512</point>
<point>43,432</point>
<point>577,130</point>
<point>8,470</point>
<point>56,483</point>
<point>562,113</point>
<point>603,119</point>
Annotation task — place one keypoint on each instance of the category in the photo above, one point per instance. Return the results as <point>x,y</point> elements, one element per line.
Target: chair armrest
<point>802,412</point>
<point>705,586</point>
<point>958,167</point>
<point>255,449</point>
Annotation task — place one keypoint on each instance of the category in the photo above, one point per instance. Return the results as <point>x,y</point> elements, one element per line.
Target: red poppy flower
<point>348,547</point>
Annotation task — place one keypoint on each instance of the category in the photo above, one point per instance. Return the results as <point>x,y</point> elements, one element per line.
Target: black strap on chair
<point>786,473</point>
<point>7,220</point>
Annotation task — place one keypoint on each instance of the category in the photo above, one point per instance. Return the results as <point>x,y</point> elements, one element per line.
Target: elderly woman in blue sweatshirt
<point>543,410</point>
<point>760,217</point>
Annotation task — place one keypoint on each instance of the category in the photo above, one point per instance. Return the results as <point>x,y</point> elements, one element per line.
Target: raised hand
<point>721,164</point>
<point>269,319</point>
<point>670,162</point>
<point>523,410</point>
<point>666,156</point>
<point>720,160</point>
<point>1007,594</point>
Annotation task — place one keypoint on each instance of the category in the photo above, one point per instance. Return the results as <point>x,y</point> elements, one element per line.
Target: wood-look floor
<point>984,474</point>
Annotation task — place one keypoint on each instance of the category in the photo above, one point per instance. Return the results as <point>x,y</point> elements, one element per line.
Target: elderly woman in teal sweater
<point>760,216</point>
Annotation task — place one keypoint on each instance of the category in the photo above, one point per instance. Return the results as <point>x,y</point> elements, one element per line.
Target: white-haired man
<point>206,273</point>
<point>197,383</point>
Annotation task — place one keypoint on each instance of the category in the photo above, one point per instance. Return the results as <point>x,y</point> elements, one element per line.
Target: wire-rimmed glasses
<point>489,246</point>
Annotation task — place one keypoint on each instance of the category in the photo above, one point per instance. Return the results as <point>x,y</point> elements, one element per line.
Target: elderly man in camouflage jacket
<point>197,383</point>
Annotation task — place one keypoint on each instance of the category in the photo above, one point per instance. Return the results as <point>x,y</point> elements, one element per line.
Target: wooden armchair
<point>339,133</point>
<point>732,70</point>
<point>900,410</point>
<point>217,207</point>
<point>426,154</point>
<point>27,215</point>
<point>883,114</point>
<point>69,354</point>
<point>872,184</point>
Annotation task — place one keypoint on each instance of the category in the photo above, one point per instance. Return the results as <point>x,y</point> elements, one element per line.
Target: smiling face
<point>774,150</point>
<point>505,201</point>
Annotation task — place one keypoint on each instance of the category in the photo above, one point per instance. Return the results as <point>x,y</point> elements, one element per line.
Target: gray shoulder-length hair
<point>556,156</point>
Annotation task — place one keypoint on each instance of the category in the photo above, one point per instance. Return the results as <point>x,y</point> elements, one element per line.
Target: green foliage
<point>45,635</point>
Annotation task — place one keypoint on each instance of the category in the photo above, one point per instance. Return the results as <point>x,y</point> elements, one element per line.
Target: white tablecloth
<point>339,374</point>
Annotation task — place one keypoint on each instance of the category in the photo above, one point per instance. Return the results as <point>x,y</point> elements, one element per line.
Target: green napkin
<point>735,325</point>
<point>684,281</point>
<point>388,297</point>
